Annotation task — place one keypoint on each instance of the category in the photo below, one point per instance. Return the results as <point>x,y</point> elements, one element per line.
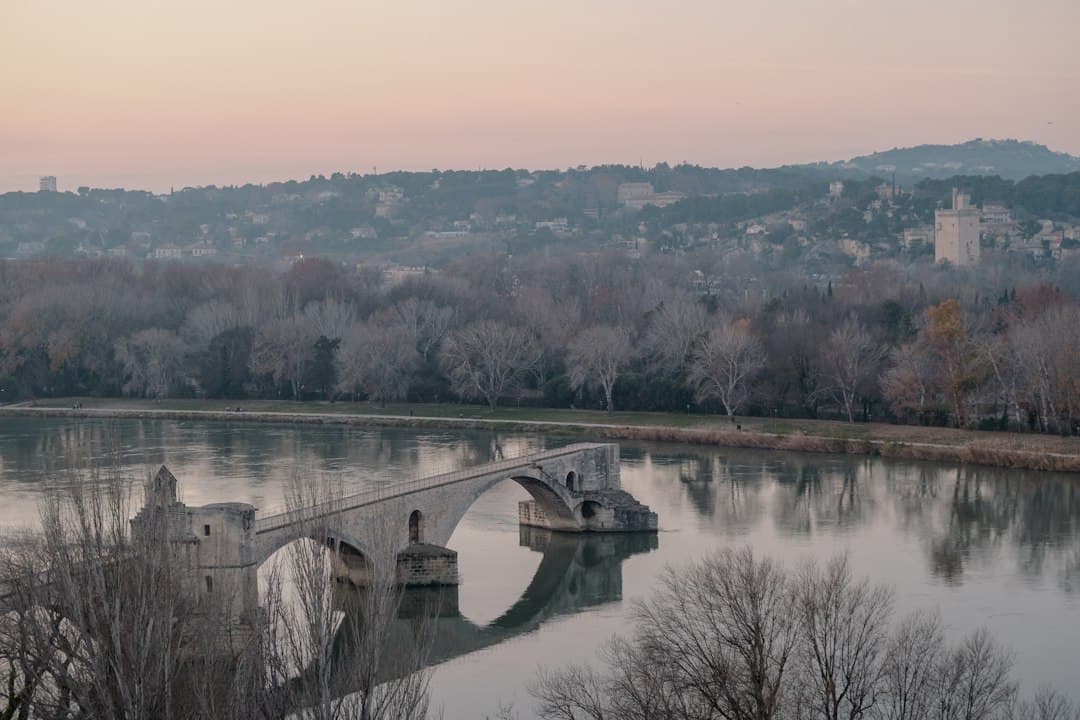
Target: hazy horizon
<point>153,96</point>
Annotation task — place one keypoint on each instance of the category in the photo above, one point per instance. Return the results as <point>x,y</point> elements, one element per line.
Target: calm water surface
<point>987,547</point>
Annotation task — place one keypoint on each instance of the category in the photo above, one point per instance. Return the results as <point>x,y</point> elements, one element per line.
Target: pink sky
<point>159,93</point>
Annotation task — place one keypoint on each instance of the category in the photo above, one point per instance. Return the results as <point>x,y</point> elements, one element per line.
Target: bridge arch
<point>343,543</point>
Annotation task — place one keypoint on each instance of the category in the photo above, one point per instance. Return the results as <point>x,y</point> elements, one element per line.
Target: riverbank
<point>1008,450</point>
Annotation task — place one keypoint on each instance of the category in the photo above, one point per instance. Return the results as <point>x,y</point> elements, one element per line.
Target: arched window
<point>571,480</point>
<point>415,521</point>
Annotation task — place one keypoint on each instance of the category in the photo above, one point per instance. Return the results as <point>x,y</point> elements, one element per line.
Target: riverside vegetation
<point>916,344</point>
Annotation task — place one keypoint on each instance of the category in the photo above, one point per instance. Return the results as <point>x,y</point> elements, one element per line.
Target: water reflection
<point>576,572</point>
<point>987,546</point>
<point>964,517</point>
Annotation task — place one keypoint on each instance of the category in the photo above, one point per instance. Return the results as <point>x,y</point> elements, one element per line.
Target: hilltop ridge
<point>1009,159</point>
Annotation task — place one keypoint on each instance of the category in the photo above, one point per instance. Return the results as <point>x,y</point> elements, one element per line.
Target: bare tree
<point>380,359</point>
<point>973,680</point>
<point>283,350</point>
<point>426,322</point>
<point>1046,350</point>
<point>843,623</point>
<point>849,360</point>
<point>632,688</point>
<point>103,620</point>
<point>1048,704</point>
<point>714,641</point>
<point>596,358</point>
<point>488,359</point>
<point>1004,362</point>
<point>551,318</point>
<point>330,318</point>
<point>910,670</point>
<point>153,362</point>
<point>737,638</point>
<point>206,321</point>
<point>673,330</point>
<point>727,360</point>
<point>909,385</point>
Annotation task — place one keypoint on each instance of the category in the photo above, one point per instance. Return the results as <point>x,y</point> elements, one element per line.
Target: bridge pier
<point>418,565</point>
<point>603,511</point>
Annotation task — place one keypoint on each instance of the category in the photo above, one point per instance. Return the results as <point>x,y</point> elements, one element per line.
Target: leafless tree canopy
<point>488,360</point>
<point>100,623</point>
<point>597,356</point>
<point>737,637</point>
<point>725,363</point>
<point>909,343</point>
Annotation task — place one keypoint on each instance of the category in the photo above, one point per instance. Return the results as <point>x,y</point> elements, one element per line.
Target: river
<point>988,547</point>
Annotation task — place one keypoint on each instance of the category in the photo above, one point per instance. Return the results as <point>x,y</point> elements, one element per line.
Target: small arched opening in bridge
<point>589,509</point>
<point>416,527</point>
<point>571,481</point>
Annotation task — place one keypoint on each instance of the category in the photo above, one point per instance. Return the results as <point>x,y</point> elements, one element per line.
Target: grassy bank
<point>1010,450</point>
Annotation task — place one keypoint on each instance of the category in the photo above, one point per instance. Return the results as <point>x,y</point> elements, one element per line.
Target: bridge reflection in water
<point>577,572</point>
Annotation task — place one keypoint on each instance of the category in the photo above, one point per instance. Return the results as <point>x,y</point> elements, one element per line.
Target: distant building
<point>956,232</point>
<point>667,198</point>
<point>995,214</point>
<point>836,189</point>
<point>47,183</point>
<point>446,234</point>
<point>559,226</point>
<point>658,199</point>
<point>916,238</point>
<point>629,192</point>
<point>886,191</point>
<point>203,249</point>
<point>167,251</point>
<point>397,274</point>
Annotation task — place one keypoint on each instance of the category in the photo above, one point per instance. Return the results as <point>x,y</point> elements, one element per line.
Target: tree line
<point>705,331</point>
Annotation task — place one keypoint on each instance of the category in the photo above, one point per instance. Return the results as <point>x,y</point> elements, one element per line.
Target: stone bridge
<point>573,489</point>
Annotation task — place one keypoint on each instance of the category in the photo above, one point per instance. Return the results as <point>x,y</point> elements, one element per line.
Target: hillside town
<point>403,221</point>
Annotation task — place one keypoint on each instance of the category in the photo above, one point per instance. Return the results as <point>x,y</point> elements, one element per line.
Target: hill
<point>1011,159</point>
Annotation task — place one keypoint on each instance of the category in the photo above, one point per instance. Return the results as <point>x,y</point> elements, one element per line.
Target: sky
<point>155,94</point>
